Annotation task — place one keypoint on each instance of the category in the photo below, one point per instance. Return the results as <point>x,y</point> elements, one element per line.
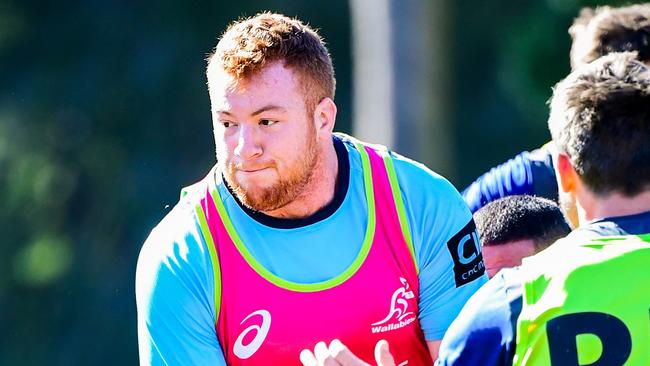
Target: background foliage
<point>104,115</point>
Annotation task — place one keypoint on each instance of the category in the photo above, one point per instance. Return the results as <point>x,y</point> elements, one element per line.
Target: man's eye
<point>226,124</point>
<point>267,122</point>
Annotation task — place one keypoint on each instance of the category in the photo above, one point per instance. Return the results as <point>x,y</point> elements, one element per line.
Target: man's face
<point>506,255</point>
<point>266,141</point>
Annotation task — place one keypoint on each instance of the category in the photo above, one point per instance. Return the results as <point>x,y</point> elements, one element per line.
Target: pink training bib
<point>265,320</point>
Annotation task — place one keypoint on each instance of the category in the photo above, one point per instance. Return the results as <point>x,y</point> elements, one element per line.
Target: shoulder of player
<point>174,277</point>
<point>176,239</point>
<point>506,286</point>
<point>493,305</point>
<point>182,217</point>
<point>418,182</point>
<point>169,239</point>
<point>176,223</point>
<point>493,298</point>
<point>487,316</point>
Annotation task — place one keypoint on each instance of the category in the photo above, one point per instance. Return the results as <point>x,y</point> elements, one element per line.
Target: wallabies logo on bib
<point>399,314</point>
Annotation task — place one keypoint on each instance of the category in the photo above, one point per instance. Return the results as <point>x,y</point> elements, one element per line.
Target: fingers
<point>343,355</point>
<point>320,357</point>
<point>337,354</point>
<point>383,355</point>
<point>307,358</point>
<point>323,355</point>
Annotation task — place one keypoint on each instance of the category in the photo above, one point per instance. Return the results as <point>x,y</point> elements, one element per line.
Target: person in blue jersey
<point>515,227</point>
<point>594,33</point>
<point>247,268</point>
<point>600,125</point>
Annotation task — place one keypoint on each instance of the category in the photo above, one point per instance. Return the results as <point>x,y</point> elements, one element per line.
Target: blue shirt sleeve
<point>529,173</point>
<point>436,215</point>
<point>175,296</point>
<point>484,332</point>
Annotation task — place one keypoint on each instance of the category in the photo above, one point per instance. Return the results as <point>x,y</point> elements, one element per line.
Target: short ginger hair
<point>248,45</point>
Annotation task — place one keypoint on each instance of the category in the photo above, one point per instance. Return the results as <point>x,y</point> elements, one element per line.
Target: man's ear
<point>325,116</point>
<point>566,173</point>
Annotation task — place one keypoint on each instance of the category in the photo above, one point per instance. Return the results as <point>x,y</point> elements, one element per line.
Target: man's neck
<point>319,190</point>
<point>612,205</point>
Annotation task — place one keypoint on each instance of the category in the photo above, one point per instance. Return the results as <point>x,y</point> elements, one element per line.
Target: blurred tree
<point>506,57</point>
<point>401,79</point>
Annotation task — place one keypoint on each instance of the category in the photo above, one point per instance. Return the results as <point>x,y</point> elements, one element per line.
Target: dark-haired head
<point>515,227</point>
<point>600,120</point>
<point>521,217</point>
<point>603,30</point>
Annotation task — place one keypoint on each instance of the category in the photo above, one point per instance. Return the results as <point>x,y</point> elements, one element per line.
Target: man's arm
<point>434,347</point>
<point>446,246</point>
<point>175,297</point>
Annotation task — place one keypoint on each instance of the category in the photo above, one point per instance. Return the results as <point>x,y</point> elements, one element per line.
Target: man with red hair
<point>299,235</point>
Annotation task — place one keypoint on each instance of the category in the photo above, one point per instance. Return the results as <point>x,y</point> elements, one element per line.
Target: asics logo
<point>244,351</point>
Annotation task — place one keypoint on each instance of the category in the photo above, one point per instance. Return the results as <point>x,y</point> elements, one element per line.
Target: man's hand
<point>337,354</point>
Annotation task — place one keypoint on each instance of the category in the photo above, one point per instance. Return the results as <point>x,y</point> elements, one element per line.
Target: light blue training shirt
<point>175,283</point>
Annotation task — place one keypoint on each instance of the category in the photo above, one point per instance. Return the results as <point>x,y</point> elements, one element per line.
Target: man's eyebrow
<point>268,108</point>
<point>261,110</point>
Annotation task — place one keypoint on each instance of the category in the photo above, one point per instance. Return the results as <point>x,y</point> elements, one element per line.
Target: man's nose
<point>248,144</point>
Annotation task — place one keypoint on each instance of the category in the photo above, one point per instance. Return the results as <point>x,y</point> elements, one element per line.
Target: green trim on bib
<point>399,205</point>
<point>318,286</point>
<point>216,269</point>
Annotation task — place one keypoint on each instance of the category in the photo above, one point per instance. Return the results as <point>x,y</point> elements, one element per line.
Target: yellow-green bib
<point>586,303</point>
